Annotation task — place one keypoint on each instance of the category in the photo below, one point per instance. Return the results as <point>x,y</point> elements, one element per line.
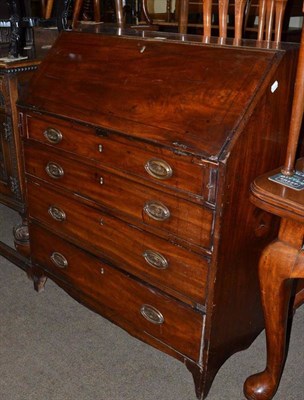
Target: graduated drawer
<point>168,214</point>
<point>146,309</point>
<point>173,268</point>
<point>157,165</point>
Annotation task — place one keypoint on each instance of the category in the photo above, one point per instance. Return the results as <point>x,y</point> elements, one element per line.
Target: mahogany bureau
<point>139,152</point>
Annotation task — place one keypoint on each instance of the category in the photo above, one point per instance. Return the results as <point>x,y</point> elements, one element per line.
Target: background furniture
<point>199,16</point>
<point>19,58</point>
<point>281,265</point>
<point>96,3</point>
<point>268,12</point>
<point>14,75</point>
<point>137,182</point>
<point>282,262</point>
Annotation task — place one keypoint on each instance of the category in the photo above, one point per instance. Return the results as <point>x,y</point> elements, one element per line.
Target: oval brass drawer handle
<point>152,314</point>
<point>155,259</point>
<point>156,210</point>
<point>59,260</point>
<point>53,135</point>
<point>57,213</point>
<point>158,168</point>
<point>54,170</point>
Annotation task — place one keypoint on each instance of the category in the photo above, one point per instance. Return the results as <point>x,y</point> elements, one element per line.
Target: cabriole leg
<point>280,263</point>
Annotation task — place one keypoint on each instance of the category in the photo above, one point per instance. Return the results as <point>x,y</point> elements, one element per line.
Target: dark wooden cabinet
<point>139,152</point>
<point>13,76</point>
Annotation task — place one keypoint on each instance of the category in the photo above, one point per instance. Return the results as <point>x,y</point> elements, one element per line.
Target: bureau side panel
<point>234,314</point>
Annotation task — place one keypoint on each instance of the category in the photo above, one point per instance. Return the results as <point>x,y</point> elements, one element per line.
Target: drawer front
<point>158,166</point>
<point>146,309</point>
<point>168,214</point>
<point>173,268</point>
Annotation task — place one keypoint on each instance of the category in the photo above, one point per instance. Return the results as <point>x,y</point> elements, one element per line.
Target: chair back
<point>270,20</point>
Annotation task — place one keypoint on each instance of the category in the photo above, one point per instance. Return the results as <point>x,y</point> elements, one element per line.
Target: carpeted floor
<point>53,348</point>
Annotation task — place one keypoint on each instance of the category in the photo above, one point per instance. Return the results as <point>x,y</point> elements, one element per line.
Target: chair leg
<point>119,13</point>
<point>43,8</point>
<point>96,5</point>
<point>275,270</point>
<point>183,16</point>
<point>76,12</point>
<point>49,8</point>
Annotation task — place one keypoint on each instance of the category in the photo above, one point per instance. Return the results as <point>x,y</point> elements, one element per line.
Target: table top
<point>278,199</point>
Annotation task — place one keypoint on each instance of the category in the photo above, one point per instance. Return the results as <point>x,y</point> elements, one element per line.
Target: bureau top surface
<point>189,96</point>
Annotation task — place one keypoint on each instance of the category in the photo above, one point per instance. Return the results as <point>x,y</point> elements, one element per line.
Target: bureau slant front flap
<point>189,96</point>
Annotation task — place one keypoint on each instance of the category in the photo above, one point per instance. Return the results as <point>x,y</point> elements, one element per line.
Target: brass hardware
<point>159,169</point>
<point>57,214</point>
<point>53,135</point>
<point>59,260</point>
<point>152,314</point>
<point>54,170</point>
<point>100,148</point>
<point>156,210</point>
<point>155,259</point>
<point>21,233</point>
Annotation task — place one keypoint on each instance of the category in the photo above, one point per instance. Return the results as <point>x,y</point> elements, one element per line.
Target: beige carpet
<point>53,348</point>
